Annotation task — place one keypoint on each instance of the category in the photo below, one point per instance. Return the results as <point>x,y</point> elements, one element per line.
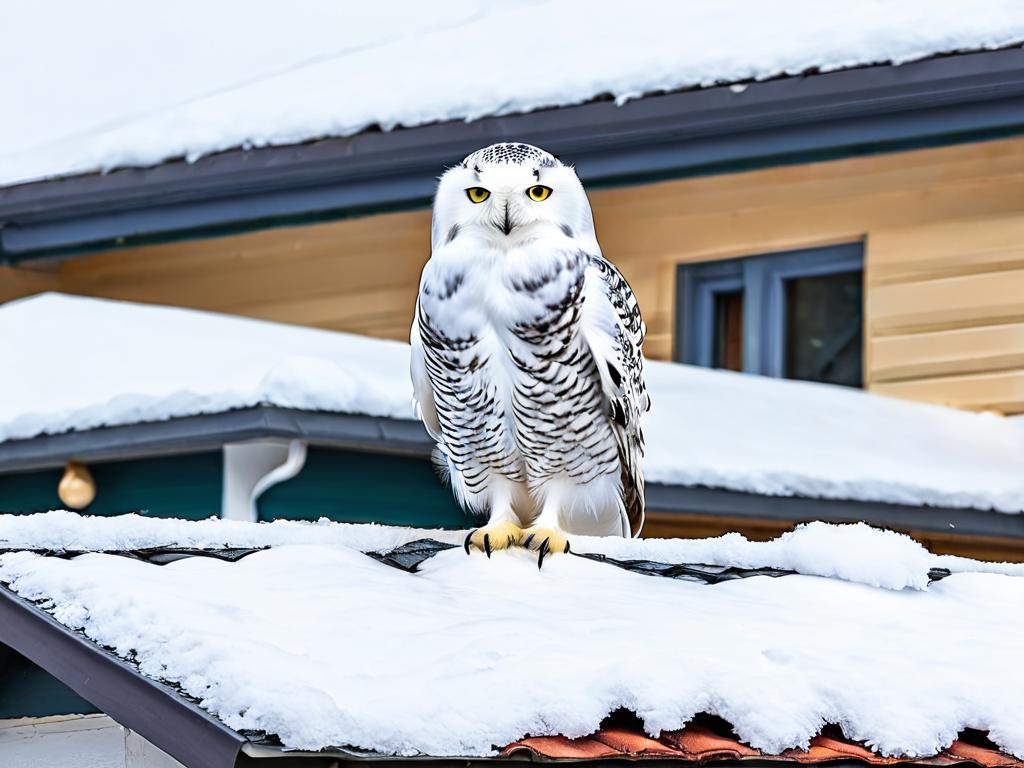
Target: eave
<point>407,437</point>
<point>966,97</point>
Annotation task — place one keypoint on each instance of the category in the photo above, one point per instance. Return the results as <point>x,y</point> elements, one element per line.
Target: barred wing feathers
<point>614,331</point>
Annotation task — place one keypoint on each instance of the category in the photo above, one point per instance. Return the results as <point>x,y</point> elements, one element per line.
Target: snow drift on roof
<point>324,646</point>
<point>94,92</point>
<point>133,363</point>
<point>851,552</point>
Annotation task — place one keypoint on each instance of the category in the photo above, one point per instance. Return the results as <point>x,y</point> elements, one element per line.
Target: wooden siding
<point>945,312</point>
<point>945,271</point>
<point>690,526</point>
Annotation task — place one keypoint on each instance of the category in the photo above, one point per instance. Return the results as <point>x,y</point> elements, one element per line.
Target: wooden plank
<point>687,526</point>
<point>17,282</point>
<point>958,351</point>
<point>952,302</point>
<point>1002,392</point>
<point>946,249</point>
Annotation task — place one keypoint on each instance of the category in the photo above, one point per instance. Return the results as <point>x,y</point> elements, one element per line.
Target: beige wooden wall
<point>945,271</point>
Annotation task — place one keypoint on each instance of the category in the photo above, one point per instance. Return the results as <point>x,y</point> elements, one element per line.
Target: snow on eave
<point>853,552</point>
<point>620,99</point>
<point>707,428</point>
<point>350,71</point>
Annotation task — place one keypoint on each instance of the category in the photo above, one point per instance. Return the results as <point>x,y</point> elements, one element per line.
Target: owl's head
<point>510,193</point>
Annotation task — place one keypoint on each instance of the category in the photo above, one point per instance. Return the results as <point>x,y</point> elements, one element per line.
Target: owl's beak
<point>506,226</point>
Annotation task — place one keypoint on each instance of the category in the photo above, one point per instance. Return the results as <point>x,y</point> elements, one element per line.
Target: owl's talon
<point>543,551</point>
<point>492,537</point>
<point>545,541</point>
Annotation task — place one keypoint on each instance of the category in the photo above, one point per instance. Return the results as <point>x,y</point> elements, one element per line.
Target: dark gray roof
<point>940,100</point>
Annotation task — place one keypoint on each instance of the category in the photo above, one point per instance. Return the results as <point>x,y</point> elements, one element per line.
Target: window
<point>793,314</point>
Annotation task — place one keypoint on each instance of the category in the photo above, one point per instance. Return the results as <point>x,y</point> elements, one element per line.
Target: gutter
<point>406,437</point>
<point>942,100</point>
<point>191,434</point>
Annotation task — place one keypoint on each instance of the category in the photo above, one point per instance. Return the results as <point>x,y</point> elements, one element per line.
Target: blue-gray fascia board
<point>190,434</point>
<point>407,437</point>
<point>717,502</point>
<point>153,710</point>
<point>971,95</point>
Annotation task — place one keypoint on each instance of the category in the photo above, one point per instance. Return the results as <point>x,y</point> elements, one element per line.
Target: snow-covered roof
<point>315,642</point>
<point>83,363</point>
<point>95,91</point>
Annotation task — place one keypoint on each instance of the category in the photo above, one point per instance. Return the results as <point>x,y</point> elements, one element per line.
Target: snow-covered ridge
<point>317,643</point>
<point>849,552</point>
<point>287,77</point>
<point>707,428</point>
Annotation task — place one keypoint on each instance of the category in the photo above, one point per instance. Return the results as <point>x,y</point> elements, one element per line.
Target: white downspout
<point>251,468</point>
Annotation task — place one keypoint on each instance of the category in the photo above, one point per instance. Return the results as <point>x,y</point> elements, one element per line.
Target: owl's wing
<point>614,331</point>
<point>422,390</point>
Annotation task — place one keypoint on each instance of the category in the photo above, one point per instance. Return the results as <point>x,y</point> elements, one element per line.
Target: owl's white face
<point>508,194</point>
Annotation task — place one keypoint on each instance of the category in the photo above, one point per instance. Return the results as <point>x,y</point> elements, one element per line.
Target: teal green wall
<point>186,486</point>
<point>356,487</point>
<point>28,691</point>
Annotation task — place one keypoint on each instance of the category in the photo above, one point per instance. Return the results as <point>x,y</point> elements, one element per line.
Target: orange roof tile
<point>701,743</point>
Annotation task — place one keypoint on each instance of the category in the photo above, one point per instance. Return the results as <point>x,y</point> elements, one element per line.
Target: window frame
<point>762,280</point>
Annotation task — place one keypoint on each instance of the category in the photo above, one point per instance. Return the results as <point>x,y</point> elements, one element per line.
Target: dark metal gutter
<point>191,434</point>
<point>407,437</point>
<point>724,503</point>
<point>880,108</point>
<point>155,711</point>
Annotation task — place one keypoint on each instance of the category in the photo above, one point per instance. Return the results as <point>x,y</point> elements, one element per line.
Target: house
<point>215,644</point>
<point>746,171</point>
<point>189,414</point>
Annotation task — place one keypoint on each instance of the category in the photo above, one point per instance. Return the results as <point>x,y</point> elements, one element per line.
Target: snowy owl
<point>526,356</point>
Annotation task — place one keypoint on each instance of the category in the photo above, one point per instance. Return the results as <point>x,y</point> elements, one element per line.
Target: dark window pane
<point>729,331</point>
<point>824,328</point>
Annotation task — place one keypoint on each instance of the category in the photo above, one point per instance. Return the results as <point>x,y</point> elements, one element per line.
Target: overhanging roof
<point>947,99</point>
<point>174,723</point>
<point>407,437</point>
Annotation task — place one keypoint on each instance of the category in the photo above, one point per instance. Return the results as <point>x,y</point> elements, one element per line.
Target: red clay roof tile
<point>698,744</point>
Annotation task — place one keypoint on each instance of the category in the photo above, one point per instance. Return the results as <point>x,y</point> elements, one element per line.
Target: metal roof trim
<point>679,133</point>
<point>157,712</point>
<point>407,437</point>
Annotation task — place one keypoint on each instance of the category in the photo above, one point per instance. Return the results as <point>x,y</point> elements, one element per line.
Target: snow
<point>95,91</point>
<point>707,428</point>
<point>850,552</point>
<point>323,646</point>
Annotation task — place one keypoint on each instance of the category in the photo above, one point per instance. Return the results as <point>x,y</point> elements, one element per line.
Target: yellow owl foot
<point>494,536</point>
<point>544,541</point>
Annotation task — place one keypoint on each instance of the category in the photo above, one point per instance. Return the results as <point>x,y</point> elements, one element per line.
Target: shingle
<point>699,744</point>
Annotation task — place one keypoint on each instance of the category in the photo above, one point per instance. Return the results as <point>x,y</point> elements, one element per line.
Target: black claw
<point>468,538</point>
<point>529,540</point>
<point>543,551</point>
<point>487,544</point>
<point>567,547</point>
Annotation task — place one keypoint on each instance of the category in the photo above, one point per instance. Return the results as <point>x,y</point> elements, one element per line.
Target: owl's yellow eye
<point>477,194</point>
<point>539,192</point>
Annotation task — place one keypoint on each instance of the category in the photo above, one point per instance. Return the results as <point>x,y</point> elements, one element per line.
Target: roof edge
<point>151,709</point>
<point>875,108</point>
<point>407,437</point>
<point>191,434</point>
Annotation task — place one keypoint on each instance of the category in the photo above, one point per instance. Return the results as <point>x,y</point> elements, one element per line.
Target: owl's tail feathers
<point>439,460</point>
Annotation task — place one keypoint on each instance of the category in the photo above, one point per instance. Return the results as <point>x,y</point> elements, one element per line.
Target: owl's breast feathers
<point>535,370</point>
